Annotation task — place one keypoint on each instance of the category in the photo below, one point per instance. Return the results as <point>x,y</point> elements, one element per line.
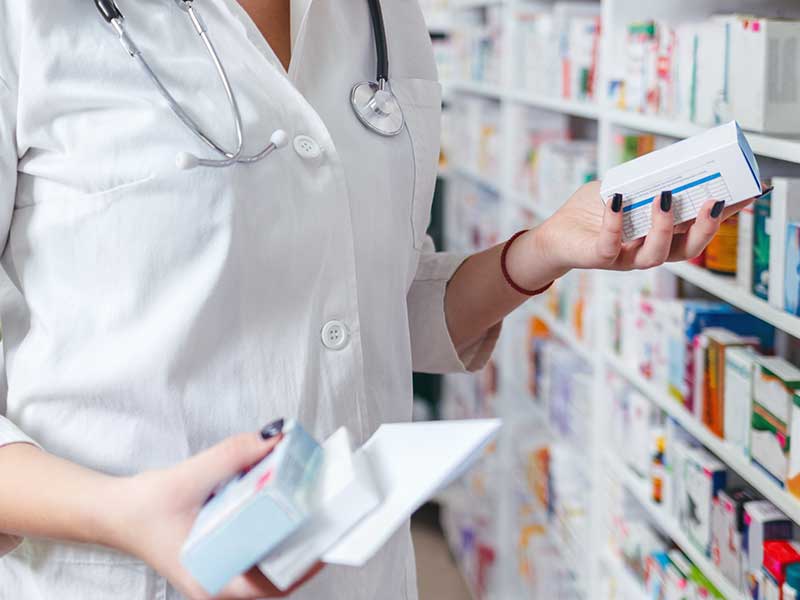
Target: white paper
<point>411,462</point>
<point>344,494</point>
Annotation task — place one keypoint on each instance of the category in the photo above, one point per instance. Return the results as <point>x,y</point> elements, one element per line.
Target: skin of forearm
<point>47,497</point>
<point>478,296</point>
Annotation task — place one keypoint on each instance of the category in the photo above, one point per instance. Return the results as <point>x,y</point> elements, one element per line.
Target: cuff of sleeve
<point>432,346</point>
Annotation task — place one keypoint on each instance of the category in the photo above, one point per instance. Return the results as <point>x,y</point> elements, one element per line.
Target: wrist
<point>114,514</point>
<point>531,262</point>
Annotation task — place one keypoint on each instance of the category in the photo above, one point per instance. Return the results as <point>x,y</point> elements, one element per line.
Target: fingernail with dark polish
<point>666,201</point>
<point>616,203</point>
<point>716,210</point>
<point>766,191</point>
<point>272,430</point>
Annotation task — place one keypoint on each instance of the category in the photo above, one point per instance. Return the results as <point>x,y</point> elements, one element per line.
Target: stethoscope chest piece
<point>377,107</point>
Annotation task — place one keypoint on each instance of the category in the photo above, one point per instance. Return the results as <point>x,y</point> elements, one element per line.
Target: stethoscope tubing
<point>114,17</point>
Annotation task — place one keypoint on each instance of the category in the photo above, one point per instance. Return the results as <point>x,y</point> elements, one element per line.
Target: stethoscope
<point>373,102</point>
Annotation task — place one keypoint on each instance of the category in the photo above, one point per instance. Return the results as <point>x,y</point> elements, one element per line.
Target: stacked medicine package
<point>559,48</point>
<point>718,364</point>
<point>549,164</point>
<point>477,45</point>
<point>732,66</point>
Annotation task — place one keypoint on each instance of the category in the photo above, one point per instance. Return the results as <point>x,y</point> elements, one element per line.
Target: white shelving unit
<point>609,121</point>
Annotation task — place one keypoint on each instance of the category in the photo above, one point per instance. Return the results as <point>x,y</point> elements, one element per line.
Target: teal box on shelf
<point>254,513</point>
<point>791,286</point>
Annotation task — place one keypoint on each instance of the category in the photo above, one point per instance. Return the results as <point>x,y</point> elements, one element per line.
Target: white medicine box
<point>764,73</point>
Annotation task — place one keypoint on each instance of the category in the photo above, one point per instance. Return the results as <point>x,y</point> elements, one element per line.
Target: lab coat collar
<point>299,10</point>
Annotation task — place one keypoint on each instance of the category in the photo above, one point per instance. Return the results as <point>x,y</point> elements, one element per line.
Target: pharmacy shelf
<point>575,108</point>
<point>670,526</point>
<point>476,88</point>
<point>725,288</point>
<point>724,451</point>
<point>459,4</point>
<point>476,177</point>
<point>782,148</point>
<point>562,331</point>
<point>631,587</point>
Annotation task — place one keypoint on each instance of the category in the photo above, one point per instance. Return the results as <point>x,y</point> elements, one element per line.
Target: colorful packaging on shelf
<point>716,164</point>
<point>777,556</point>
<point>686,319</point>
<point>252,515</point>
<point>713,344</point>
<point>761,246</point>
<point>744,249</point>
<point>705,477</point>
<point>765,73</point>
<point>784,209</point>
<point>721,252</point>
<point>727,531</point>
<point>793,476</point>
<point>792,281</point>
<point>762,522</point>
<point>774,383</point>
<point>739,364</point>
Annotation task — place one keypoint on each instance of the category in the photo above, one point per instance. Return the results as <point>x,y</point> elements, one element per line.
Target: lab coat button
<point>307,147</point>
<point>335,335</point>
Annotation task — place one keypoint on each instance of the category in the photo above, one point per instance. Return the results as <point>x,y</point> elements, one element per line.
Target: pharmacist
<point>153,309</point>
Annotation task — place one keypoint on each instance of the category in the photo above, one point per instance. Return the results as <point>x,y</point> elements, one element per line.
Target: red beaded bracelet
<point>504,268</point>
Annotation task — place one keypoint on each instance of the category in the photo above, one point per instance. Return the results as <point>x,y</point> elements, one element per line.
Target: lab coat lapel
<point>298,16</point>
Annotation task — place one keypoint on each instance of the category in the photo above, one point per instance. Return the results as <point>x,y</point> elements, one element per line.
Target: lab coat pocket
<point>421,101</point>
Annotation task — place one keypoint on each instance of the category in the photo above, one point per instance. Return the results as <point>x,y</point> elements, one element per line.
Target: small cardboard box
<point>713,345</point>
<point>762,522</point>
<point>716,164</point>
<point>705,477</point>
<point>251,515</point>
<point>739,365</point>
<point>764,73</point>
<point>727,532</point>
<point>793,476</point>
<point>774,383</point>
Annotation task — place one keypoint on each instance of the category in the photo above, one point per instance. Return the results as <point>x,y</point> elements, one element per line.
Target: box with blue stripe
<point>717,164</point>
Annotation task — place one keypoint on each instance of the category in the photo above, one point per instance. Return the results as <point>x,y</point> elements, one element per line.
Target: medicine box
<point>791,287</point>
<point>793,476</point>
<point>251,515</point>
<point>774,382</point>
<point>713,344</point>
<point>784,209</point>
<point>764,73</point>
<point>686,319</point>
<point>716,164</point>
<point>777,556</point>
<point>739,365</point>
<point>705,477</point>
<point>762,522</point>
<point>727,532</point>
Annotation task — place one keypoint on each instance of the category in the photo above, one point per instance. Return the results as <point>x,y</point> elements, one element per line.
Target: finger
<point>733,209</point>
<point>225,460</point>
<point>609,242</point>
<point>693,242</point>
<point>659,240</point>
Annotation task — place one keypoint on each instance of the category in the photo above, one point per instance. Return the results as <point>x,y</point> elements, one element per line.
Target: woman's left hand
<point>587,234</point>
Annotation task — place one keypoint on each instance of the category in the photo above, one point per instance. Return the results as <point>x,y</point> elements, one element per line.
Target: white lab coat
<point>149,312</point>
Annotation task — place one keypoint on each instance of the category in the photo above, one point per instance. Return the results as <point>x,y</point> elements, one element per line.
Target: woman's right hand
<point>158,509</point>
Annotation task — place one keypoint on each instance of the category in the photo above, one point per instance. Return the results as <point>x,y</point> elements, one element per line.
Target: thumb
<point>225,460</point>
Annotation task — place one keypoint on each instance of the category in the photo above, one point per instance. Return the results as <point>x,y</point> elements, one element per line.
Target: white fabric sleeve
<point>9,433</point>
<point>432,349</point>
